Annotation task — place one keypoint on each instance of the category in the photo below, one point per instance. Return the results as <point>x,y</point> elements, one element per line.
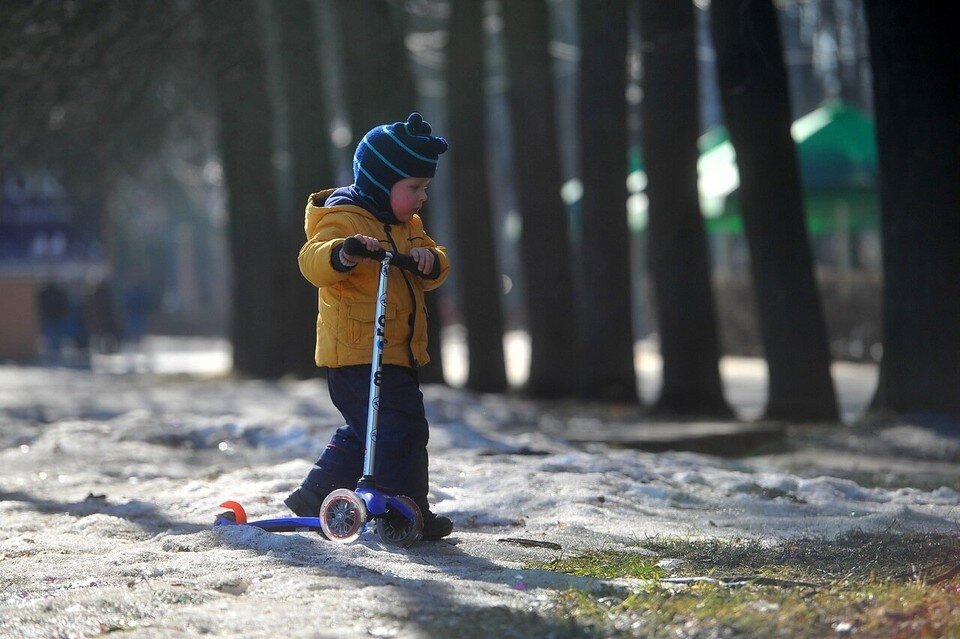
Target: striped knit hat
<point>392,152</point>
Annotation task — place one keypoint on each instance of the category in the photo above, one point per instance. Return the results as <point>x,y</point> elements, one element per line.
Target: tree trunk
<point>917,103</point>
<point>544,248</point>
<point>379,89</point>
<point>753,90</point>
<point>475,255</point>
<point>305,167</point>
<point>246,145</point>
<point>677,244</point>
<point>605,316</point>
<point>378,84</point>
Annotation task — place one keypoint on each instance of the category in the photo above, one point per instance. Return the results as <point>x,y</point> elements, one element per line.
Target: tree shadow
<point>432,607</point>
<point>143,514</point>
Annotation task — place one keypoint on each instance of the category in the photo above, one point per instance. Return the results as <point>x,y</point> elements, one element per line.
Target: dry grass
<point>861,585</point>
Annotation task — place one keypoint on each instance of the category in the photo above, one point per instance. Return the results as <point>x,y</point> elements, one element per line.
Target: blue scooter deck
<point>237,516</point>
<point>281,524</point>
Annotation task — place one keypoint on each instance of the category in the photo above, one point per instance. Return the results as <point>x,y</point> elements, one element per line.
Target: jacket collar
<point>348,195</point>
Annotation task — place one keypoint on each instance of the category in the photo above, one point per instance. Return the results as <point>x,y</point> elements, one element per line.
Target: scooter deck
<point>238,516</point>
<point>281,524</point>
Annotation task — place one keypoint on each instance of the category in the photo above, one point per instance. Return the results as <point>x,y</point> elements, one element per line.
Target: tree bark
<point>475,255</point>
<point>305,166</point>
<point>753,89</point>
<point>544,248</point>
<point>677,244</point>
<point>246,144</point>
<point>917,104</point>
<point>605,315</point>
<point>378,85</point>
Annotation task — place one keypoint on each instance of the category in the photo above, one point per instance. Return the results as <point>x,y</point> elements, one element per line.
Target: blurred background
<point>627,179</point>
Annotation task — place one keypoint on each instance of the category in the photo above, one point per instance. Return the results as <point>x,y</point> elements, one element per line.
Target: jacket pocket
<point>360,318</point>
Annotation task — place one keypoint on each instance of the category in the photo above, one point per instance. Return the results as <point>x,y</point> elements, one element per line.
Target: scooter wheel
<point>395,529</point>
<point>342,516</point>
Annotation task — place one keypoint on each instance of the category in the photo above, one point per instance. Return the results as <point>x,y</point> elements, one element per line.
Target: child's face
<point>407,197</point>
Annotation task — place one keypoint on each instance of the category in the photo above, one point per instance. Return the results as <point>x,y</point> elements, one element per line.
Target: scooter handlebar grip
<point>406,262</point>
<point>353,246</point>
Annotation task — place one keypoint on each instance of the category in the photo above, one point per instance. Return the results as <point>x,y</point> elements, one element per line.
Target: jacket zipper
<point>412,320</point>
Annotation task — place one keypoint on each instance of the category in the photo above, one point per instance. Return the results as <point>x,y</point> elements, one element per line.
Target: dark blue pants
<point>402,433</point>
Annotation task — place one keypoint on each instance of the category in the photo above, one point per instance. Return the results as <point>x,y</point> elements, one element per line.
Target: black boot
<point>435,527</point>
<point>305,502</point>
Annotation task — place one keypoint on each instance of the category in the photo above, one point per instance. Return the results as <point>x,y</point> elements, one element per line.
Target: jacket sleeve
<point>316,255</point>
<point>441,253</point>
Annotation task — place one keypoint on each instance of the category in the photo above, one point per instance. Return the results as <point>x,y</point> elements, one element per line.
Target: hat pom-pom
<point>416,126</point>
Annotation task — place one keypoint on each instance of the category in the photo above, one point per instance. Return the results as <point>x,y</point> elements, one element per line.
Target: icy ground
<point>109,484</point>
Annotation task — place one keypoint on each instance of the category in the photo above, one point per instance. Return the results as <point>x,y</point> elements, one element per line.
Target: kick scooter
<point>344,514</point>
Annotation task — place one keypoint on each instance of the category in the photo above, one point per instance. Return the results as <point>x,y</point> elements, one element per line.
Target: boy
<point>392,167</point>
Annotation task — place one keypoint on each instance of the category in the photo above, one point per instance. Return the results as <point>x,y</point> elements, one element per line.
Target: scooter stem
<point>376,360</point>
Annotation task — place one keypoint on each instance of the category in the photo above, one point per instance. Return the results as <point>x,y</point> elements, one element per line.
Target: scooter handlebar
<point>353,246</point>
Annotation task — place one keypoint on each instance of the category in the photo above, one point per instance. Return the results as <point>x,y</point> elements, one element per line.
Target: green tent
<point>837,151</point>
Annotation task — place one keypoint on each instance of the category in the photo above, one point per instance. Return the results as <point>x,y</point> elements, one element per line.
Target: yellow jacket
<point>347,300</point>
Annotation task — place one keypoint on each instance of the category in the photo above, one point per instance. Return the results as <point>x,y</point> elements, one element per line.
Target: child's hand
<point>371,244</point>
<point>424,259</point>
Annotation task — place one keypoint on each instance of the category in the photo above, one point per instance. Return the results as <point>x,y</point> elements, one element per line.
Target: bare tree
<point>475,254</point>
<point>544,248</point>
<point>71,75</point>
<point>304,167</point>
<point>753,89</point>
<point>606,329</point>
<point>676,240</point>
<point>378,85</point>
<point>246,143</point>
<point>917,104</point>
